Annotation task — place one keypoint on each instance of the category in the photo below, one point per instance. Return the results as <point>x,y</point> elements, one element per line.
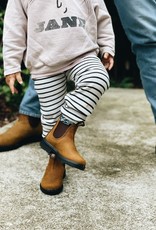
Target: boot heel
<point>44,145</point>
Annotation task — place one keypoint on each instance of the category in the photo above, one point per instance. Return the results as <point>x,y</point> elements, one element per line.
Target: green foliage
<point>125,83</point>
<point>1,32</point>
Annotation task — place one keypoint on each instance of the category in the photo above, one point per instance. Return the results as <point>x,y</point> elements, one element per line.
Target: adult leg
<point>27,128</point>
<point>30,103</point>
<point>138,20</point>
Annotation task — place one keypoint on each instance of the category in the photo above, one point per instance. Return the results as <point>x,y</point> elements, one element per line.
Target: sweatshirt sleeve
<point>14,37</point>
<point>105,33</point>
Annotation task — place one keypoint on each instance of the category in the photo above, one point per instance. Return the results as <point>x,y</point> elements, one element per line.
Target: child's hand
<point>108,61</point>
<point>10,81</point>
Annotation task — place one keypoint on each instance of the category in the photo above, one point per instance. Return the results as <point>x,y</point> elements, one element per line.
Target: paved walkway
<point>117,191</point>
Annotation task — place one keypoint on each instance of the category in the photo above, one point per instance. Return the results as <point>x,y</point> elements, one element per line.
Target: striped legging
<point>91,80</point>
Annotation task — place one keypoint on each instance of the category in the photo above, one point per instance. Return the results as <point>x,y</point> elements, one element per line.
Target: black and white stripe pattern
<point>51,92</point>
<point>91,80</point>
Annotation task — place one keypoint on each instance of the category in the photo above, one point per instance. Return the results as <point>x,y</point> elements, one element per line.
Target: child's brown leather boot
<point>52,181</point>
<point>63,145</point>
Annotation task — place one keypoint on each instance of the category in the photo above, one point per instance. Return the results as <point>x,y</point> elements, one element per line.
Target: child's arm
<point>10,81</point>
<point>105,33</point>
<point>14,36</point>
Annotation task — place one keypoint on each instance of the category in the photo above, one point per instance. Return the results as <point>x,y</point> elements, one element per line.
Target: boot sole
<point>51,192</point>
<point>51,150</point>
<point>20,144</point>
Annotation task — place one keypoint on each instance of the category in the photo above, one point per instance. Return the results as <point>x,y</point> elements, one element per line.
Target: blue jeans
<point>138,18</point>
<point>30,104</point>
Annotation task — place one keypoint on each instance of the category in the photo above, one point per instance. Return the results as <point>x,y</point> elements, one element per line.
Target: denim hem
<point>30,114</point>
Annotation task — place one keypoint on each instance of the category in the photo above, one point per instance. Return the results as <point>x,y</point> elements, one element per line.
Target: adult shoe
<point>25,130</point>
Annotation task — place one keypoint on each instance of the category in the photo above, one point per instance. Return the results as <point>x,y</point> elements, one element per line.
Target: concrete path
<point>117,191</point>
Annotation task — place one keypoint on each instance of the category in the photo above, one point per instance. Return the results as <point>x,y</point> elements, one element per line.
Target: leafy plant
<point>125,83</point>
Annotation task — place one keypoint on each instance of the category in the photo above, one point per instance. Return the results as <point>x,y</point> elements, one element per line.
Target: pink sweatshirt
<point>51,36</point>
